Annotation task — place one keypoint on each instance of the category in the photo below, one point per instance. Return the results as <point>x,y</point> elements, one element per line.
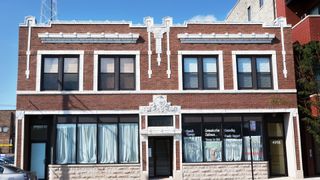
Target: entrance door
<point>160,156</point>
<point>277,153</point>
<point>317,157</point>
<point>38,157</point>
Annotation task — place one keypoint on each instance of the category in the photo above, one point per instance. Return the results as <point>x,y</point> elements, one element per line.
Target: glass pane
<point>129,118</point>
<point>212,139</point>
<point>263,65</point>
<point>39,132</point>
<point>190,80</point>
<point>275,129</point>
<point>128,142</point>
<point>51,65</point>
<point>244,65</point>
<point>160,120</point>
<point>210,80</point>
<point>108,119</point>
<point>126,65</point>
<point>50,82</point>
<point>192,140</point>
<point>127,81</point>
<point>257,148</point>
<point>245,80</point>
<point>192,149</point>
<point>108,134</point>
<point>210,65</point>
<point>71,65</point>
<point>190,65</point>
<point>70,82</point>
<point>264,80</point>
<point>38,156</point>
<point>277,156</point>
<point>106,81</point>
<point>107,65</point>
<point>232,138</point>
<point>87,143</point>
<point>66,144</point>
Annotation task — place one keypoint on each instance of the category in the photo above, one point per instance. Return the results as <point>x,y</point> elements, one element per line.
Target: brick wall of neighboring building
<point>6,138</point>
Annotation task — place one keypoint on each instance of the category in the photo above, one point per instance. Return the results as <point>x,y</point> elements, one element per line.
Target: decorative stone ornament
<point>160,105</point>
<point>158,31</point>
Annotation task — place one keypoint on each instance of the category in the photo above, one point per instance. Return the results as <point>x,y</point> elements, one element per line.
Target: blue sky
<point>12,12</point>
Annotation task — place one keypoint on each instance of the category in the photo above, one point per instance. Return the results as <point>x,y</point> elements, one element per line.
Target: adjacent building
<point>7,119</point>
<point>109,99</point>
<point>304,16</point>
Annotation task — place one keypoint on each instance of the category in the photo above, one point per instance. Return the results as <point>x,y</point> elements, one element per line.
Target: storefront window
<point>87,143</point>
<point>128,142</point>
<point>212,140</point>
<point>66,143</point>
<point>232,138</point>
<point>192,139</point>
<point>253,127</point>
<point>216,138</point>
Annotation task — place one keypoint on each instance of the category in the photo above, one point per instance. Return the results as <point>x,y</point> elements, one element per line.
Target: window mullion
<point>60,72</point>
<point>254,73</point>
<point>200,73</point>
<point>117,73</point>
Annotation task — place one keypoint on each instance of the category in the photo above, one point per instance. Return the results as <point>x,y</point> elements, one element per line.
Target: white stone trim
<point>308,16</point>
<point>262,52</point>
<point>218,111</point>
<point>160,106</point>
<point>88,37</point>
<point>115,52</point>
<point>226,38</point>
<point>190,52</point>
<point>161,92</point>
<point>40,53</point>
<point>61,112</point>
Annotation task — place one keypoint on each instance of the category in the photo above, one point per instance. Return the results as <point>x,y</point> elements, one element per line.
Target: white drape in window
<point>233,149</point>
<point>66,144</point>
<point>108,143</point>
<point>87,143</point>
<point>128,142</point>
<point>193,149</point>
<point>257,148</point>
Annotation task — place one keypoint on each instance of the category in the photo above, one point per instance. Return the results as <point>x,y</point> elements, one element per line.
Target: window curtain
<point>233,149</point>
<point>87,143</point>
<point>213,151</point>
<point>108,143</point>
<point>128,142</point>
<point>66,144</point>
<point>193,149</point>
<point>257,148</point>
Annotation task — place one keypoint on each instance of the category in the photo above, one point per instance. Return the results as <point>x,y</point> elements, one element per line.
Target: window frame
<point>61,58</point>
<point>202,124</point>
<point>200,72</point>
<point>117,72</point>
<point>75,120</point>
<point>254,72</point>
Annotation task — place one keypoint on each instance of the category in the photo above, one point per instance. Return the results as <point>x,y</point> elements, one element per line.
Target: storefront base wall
<point>237,170</point>
<point>79,172</point>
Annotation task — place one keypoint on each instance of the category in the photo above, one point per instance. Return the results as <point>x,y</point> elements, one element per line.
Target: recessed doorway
<point>160,156</point>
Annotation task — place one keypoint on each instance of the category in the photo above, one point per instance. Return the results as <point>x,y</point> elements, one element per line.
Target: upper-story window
<point>254,72</point>
<point>249,13</point>
<point>60,73</point>
<point>116,73</point>
<point>200,72</point>
<point>261,2</point>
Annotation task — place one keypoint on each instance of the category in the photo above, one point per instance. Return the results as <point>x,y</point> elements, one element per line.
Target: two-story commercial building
<point>107,99</point>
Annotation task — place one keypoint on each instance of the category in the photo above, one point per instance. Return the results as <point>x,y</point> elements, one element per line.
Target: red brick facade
<point>7,138</point>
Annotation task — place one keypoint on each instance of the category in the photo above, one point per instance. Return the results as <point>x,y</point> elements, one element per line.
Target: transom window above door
<point>200,72</point>
<point>116,73</point>
<point>60,72</point>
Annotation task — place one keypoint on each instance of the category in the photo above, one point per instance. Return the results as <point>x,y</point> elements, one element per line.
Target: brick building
<point>304,16</point>
<point>7,119</point>
<point>117,100</point>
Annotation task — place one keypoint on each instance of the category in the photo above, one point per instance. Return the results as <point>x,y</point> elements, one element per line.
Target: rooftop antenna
<point>48,11</point>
